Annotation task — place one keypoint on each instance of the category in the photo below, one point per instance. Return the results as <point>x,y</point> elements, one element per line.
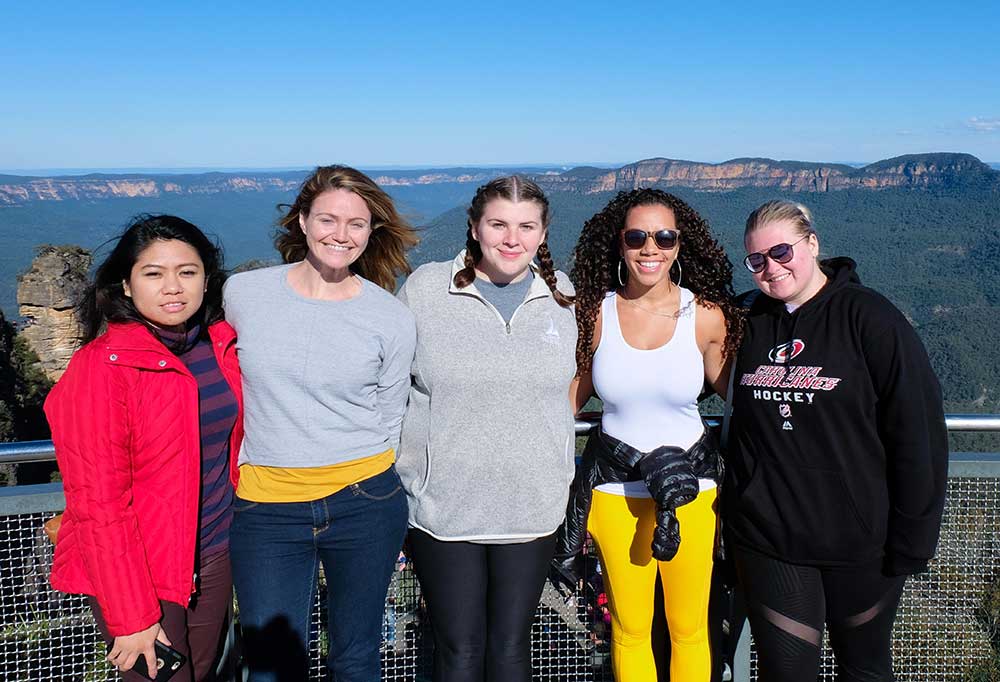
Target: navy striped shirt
<point>218,412</point>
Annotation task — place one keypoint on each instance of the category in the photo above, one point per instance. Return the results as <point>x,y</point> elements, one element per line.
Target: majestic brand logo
<point>784,353</point>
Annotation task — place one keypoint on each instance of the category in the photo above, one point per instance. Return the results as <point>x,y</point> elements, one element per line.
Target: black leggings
<point>789,603</point>
<point>482,600</point>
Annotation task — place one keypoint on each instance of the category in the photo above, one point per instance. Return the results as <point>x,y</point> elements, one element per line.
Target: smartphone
<point>168,662</point>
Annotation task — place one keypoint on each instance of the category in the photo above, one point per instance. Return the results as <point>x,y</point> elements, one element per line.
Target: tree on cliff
<point>23,387</point>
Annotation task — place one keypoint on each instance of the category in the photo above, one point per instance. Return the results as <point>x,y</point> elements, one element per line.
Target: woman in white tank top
<point>656,321</point>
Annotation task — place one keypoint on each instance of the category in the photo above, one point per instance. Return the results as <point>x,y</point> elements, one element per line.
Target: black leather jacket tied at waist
<point>670,473</point>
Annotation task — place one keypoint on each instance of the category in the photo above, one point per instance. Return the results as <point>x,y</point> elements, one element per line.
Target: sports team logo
<point>784,353</point>
<point>785,410</point>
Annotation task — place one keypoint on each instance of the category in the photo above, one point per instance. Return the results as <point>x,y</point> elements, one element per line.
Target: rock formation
<point>46,295</point>
<point>914,170</point>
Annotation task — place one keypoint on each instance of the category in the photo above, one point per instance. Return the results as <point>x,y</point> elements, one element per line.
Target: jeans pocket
<point>379,487</point>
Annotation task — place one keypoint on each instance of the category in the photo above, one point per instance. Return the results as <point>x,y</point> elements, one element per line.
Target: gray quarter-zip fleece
<point>486,451</point>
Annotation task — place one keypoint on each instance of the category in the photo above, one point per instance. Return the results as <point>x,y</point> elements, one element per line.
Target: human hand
<point>566,574</point>
<point>126,649</point>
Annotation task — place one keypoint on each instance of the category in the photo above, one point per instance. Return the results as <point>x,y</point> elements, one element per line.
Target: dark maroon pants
<point>198,631</point>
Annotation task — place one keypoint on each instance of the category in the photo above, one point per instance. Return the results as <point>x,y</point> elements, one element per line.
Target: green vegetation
<point>988,619</point>
<point>23,388</point>
<point>934,253</point>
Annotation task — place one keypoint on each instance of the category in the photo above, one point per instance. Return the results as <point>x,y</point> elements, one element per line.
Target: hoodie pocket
<point>806,514</point>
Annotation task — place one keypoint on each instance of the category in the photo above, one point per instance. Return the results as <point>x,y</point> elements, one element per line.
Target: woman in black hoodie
<point>838,457</point>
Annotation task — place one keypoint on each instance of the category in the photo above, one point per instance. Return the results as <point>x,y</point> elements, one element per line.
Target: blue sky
<point>224,84</point>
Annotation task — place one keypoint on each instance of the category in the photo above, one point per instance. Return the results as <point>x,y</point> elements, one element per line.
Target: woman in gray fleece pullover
<point>486,454</point>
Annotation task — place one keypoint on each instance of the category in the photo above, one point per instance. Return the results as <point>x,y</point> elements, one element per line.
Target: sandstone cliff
<point>46,295</point>
<point>18,190</point>
<point>915,170</point>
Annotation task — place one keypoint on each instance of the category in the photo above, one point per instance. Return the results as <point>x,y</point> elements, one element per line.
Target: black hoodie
<point>839,452</point>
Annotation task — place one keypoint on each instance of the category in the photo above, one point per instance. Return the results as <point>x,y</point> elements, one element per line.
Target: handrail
<point>22,452</point>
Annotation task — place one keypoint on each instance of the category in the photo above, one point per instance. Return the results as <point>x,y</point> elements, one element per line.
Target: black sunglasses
<point>636,239</point>
<point>779,253</point>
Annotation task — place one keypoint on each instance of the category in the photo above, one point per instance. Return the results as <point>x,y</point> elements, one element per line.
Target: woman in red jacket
<point>147,421</point>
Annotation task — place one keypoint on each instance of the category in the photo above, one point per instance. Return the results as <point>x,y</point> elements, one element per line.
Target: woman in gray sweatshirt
<point>486,454</point>
<point>325,351</point>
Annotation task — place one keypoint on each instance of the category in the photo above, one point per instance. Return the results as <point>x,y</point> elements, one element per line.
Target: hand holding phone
<point>168,662</point>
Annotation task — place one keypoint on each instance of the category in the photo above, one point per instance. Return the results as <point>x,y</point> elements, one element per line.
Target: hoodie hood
<point>840,272</point>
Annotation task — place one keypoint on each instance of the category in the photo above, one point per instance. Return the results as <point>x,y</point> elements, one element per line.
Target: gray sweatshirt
<point>488,440</point>
<point>324,382</point>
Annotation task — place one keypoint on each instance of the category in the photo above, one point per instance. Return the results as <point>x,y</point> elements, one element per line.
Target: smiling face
<point>649,265</point>
<point>167,283</point>
<point>509,234</point>
<point>337,229</point>
<point>793,282</point>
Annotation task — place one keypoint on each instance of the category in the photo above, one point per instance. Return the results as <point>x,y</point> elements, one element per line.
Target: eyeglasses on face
<point>664,239</point>
<point>780,253</point>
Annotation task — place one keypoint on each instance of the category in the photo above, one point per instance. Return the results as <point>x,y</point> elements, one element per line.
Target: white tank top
<point>650,396</point>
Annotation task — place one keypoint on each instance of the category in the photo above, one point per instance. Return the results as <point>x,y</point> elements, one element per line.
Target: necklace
<point>677,314</point>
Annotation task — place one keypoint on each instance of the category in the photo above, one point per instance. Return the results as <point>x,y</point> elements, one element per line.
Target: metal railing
<point>948,626</point>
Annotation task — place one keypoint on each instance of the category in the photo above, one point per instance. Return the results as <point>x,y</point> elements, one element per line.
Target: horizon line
<point>44,172</point>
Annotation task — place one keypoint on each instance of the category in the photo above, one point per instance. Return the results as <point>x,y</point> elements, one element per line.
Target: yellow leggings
<point>622,528</point>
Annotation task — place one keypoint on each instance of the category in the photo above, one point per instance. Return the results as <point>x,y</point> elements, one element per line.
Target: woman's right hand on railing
<point>127,648</point>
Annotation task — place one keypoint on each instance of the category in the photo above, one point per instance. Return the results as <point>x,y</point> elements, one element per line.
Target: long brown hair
<point>512,188</point>
<point>384,259</point>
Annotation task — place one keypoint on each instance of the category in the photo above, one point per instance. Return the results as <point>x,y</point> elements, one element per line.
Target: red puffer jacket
<point>125,423</point>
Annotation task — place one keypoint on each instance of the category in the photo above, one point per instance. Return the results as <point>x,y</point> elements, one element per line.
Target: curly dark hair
<point>708,273</point>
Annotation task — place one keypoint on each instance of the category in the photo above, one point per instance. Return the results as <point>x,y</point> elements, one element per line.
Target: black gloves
<point>671,481</point>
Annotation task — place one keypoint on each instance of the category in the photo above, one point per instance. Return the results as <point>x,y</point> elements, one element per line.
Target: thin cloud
<point>983,125</point>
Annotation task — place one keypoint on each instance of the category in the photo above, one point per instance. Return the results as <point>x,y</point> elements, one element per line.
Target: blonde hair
<point>384,259</point>
<point>777,211</point>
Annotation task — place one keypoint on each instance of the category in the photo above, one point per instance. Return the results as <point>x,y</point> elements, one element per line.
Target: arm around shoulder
<point>710,331</point>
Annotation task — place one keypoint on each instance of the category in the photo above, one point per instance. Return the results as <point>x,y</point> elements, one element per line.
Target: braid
<point>548,272</point>
<point>473,253</point>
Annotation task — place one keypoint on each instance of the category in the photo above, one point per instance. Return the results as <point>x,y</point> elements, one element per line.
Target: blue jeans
<point>276,549</point>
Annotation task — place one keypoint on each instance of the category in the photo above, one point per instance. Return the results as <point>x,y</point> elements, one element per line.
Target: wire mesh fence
<point>50,636</point>
<point>948,626</point>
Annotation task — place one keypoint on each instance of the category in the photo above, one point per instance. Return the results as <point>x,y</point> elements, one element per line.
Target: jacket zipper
<point>506,323</point>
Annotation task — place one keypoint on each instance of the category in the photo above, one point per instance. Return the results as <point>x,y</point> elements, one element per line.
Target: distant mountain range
<point>910,171</point>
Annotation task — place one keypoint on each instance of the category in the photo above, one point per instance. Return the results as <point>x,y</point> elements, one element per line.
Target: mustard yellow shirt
<point>305,484</point>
